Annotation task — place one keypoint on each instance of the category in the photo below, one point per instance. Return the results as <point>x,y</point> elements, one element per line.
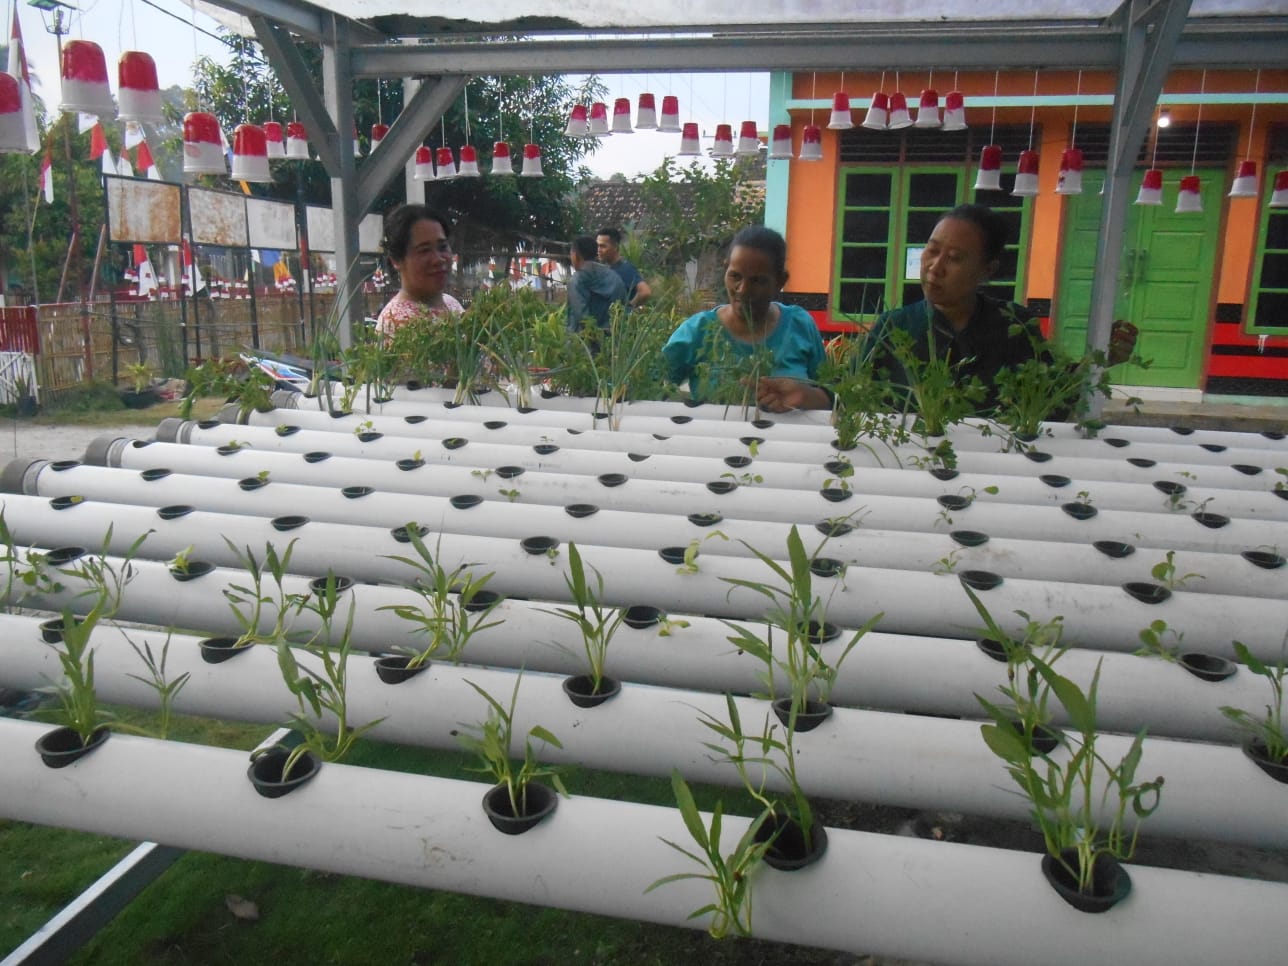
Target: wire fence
<point>78,342</point>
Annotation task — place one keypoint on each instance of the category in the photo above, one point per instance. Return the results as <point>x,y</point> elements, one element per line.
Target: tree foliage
<point>516,109</point>
<point>693,213</point>
<point>36,238</point>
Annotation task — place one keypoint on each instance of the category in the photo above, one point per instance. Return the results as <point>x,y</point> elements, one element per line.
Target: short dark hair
<point>584,246</point>
<point>764,240</point>
<point>990,225</point>
<point>399,223</point>
<point>614,233</point>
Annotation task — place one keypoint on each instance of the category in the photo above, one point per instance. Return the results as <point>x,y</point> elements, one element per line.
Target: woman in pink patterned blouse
<point>417,245</point>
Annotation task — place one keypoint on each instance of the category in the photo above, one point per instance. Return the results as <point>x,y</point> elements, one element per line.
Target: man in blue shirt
<point>608,242</point>
<point>593,288</point>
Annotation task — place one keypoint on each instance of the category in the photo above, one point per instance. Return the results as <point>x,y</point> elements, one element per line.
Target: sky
<point>709,99</point>
<point>120,25</point>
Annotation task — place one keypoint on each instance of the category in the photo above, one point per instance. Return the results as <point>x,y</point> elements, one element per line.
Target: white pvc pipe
<point>903,550</point>
<point>485,447</point>
<point>974,429</point>
<point>878,455</point>
<point>1135,692</point>
<point>866,893</point>
<point>560,489</point>
<point>1173,530</point>
<point>876,757</point>
<point>1100,617</point>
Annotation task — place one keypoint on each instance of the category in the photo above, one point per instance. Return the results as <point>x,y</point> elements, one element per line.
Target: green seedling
<point>1165,573</point>
<point>1081,804</point>
<point>731,875</point>
<point>492,740</point>
<point>596,623</point>
<point>321,694</point>
<point>446,620</point>
<point>1267,729</point>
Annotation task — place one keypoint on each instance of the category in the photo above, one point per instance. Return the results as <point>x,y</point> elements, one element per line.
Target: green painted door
<point>1164,279</point>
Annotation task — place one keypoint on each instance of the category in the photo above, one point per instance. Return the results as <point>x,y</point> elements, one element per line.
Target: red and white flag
<point>191,273</point>
<point>17,66</point>
<point>133,135</point>
<point>143,162</point>
<point>47,176</point>
<point>147,277</point>
<point>97,142</point>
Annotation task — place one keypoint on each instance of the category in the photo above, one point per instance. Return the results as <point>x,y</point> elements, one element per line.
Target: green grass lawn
<point>309,917</point>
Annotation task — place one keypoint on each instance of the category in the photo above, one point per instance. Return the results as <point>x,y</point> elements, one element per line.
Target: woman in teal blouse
<point>715,347</point>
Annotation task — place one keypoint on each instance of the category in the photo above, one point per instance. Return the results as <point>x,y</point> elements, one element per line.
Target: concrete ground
<point>28,440</point>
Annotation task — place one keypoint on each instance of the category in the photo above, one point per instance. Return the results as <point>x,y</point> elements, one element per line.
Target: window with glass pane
<point>886,217</point>
<point>861,269</point>
<point>929,193</point>
<point>1268,311</point>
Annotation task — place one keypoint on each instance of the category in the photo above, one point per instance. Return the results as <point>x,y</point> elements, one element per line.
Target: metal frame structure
<point>1141,39</point>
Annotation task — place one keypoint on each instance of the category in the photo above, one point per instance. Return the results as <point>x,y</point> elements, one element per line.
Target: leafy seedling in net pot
<point>730,875</point>
<point>1027,694</point>
<point>320,687</point>
<point>799,615</point>
<point>787,824</point>
<point>597,624</point>
<point>517,802</point>
<point>1267,743</point>
<point>455,607</point>
<point>84,725</point>
<point>1082,804</point>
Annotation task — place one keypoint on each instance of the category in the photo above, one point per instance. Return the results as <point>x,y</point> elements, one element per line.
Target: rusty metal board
<point>218,218</point>
<point>147,212</point>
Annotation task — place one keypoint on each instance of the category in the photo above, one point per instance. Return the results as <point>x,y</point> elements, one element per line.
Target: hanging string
<point>1198,120</point>
<point>442,127</point>
<point>467,113</point>
<point>1252,123</point>
<point>196,56</point>
<point>1153,158</point>
<point>1074,137</point>
<point>380,93</point>
<point>992,127</point>
<point>813,93</point>
<point>500,112</point>
<point>245,97</point>
<point>1033,111</point>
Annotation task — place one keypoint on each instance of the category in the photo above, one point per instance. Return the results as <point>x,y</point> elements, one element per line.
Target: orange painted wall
<point>812,193</point>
